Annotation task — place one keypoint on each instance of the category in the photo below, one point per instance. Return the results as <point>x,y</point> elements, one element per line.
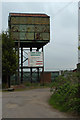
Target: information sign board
<point>35,59</point>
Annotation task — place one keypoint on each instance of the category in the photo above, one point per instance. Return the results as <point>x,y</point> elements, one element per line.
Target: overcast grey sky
<point>62,51</point>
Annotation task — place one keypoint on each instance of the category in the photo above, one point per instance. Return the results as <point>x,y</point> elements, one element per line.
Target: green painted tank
<point>30,29</point>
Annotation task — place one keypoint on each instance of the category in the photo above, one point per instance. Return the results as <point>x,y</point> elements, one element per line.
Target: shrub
<point>66,96</point>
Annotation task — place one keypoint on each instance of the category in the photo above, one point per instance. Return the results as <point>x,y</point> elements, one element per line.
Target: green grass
<point>54,102</point>
<point>29,86</point>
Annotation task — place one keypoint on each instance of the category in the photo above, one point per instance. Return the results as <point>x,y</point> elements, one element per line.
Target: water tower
<point>30,31</point>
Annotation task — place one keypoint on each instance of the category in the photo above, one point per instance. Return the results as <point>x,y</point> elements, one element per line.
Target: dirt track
<point>29,104</point>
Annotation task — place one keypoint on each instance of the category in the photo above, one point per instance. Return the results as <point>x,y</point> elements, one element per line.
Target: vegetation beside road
<point>9,58</point>
<point>28,86</point>
<point>66,93</point>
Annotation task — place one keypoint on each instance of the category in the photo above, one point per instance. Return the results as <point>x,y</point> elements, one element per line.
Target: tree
<point>79,48</point>
<point>9,58</point>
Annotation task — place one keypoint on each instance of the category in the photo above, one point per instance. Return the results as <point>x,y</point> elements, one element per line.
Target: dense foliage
<point>66,94</point>
<point>9,58</point>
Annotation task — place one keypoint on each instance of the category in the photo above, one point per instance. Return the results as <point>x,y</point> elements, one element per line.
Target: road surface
<point>29,104</point>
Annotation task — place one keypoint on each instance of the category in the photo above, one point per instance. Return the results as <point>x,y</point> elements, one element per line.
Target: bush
<point>66,97</point>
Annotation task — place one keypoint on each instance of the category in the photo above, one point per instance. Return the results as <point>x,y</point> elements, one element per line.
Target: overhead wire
<point>58,12</point>
<point>62,9</point>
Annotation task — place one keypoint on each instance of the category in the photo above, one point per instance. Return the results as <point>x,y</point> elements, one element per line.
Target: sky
<point>79,32</point>
<point>62,51</point>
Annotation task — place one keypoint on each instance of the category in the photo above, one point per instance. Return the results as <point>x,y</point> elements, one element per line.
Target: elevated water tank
<point>31,30</point>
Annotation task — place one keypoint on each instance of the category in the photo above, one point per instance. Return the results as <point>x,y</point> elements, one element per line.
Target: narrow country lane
<point>29,104</point>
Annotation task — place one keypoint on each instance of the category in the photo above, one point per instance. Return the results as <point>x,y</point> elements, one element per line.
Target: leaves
<point>9,58</point>
<point>66,97</point>
<point>79,47</point>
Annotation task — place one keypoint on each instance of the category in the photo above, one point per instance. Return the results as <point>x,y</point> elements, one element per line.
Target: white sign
<point>35,59</point>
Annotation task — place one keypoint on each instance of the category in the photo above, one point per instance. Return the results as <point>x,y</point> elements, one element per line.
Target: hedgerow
<point>66,94</point>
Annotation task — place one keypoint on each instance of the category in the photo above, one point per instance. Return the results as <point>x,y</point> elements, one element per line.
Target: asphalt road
<point>29,104</point>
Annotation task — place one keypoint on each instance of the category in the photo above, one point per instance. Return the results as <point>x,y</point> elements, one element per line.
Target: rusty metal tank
<point>30,29</point>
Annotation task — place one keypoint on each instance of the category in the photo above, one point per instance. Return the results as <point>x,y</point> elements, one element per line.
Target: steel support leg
<point>21,65</point>
<point>31,74</point>
<point>38,75</point>
<point>43,66</point>
<point>18,66</point>
<point>31,68</point>
<point>16,76</point>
